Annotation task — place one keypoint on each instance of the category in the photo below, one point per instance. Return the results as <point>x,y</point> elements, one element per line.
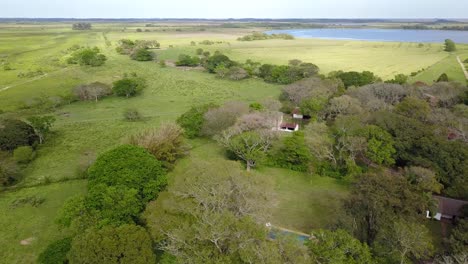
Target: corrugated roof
<point>449,206</point>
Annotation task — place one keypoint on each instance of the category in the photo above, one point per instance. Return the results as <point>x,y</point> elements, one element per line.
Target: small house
<point>289,127</point>
<point>297,114</point>
<point>447,208</point>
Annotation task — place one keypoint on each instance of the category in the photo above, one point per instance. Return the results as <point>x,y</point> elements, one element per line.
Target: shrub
<point>15,133</point>
<point>9,171</point>
<point>192,120</point>
<point>293,153</point>
<point>187,60</point>
<point>132,115</point>
<point>131,167</point>
<point>56,252</point>
<point>128,86</point>
<point>165,144</point>
<point>199,51</point>
<point>237,73</point>
<point>23,154</point>
<point>142,54</point>
<point>87,56</point>
<point>162,63</point>
<point>216,60</point>
<point>92,91</point>
<point>443,78</point>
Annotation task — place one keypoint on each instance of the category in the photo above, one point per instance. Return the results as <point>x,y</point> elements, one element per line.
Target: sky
<point>234,8</point>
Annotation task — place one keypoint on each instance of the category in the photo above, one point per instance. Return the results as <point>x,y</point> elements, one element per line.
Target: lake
<point>398,35</point>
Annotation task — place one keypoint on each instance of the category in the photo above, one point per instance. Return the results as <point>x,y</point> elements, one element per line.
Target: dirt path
<point>463,67</point>
<point>30,80</point>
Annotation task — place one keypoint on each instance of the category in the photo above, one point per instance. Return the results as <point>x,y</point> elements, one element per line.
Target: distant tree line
<point>82,26</point>
<point>264,36</point>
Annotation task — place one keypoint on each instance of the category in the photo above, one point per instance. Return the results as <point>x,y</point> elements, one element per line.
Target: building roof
<point>288,125</point>
<point>449,206</point>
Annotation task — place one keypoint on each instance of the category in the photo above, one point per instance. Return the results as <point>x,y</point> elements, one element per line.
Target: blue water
<point>398,35</point>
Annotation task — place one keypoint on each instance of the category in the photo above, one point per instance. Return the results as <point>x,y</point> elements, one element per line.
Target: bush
<point>23,154</point>
<point>56,252</point>
<point>465,61</point>
<point>162,63</point>
<point>87,56</point>
<point>142,54</point>
<point>131,167</point>
<point>128,86</point>
<point>293,153</point>
<point>132,115</point>
<point>357,79</point>
<point>165,144</point>
<point>192,120</point>
<point>92,91</point>
<point>443,78</point>
<point>15,133</point>
<point>216,60</point>
<point>187,60</point>
<point>9,171</point>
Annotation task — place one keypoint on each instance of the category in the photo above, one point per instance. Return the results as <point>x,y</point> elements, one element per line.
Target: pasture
<point>85,129</point>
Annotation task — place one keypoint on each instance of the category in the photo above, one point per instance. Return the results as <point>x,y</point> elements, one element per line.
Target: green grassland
<point>85,129</point>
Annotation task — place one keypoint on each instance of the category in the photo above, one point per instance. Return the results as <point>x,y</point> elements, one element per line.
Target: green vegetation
<point>264,36</point>
<point>348,149</point>
<point>450,45</point>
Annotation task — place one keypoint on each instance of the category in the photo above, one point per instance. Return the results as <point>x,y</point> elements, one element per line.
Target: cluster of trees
<point>449,45</point>
<point>82,26</point>
<point>263,36</point>
<point>18,142</point>
<point>356,79</point>
<point>93,91</point>
<point>87,56</point>
<point>129,86</point>
<point>138,50</point>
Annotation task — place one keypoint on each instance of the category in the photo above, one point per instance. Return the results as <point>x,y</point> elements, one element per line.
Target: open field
<point>86,129</point>
<point>24,221</point>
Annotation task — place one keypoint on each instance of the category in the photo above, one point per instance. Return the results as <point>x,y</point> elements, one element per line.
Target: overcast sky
<point>235,8</point>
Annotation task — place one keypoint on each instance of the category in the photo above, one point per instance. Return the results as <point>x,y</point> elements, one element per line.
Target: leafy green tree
<point>142,54</point>
<point>87,56</point>
<point>187,60</point>
<point>337,247</point>
<point>41,125</point>
<point>293,153</point>
<point>123,244</point>
<point>250,146</point>
<point>398,79</point>
<point>414,108</point>
<point>192,120</point>
<point>313,107</point>
<point>449,45</point>
<point>15,133</point>
<point>56,252</point>
<point>129,166</point>
<point>458,241</point>
<point>128,86</point>
<point>218,59</point>
<point>357,79</point>
<point>379,145</point>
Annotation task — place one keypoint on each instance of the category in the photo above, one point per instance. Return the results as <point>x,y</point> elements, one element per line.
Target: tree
<point>56,252</point>
<point>449,45</point>
<point>166,144</point>
<point>15,133</point>
<point>406,240</point>
<point>379,145</point>
<point>82,26</point>
<point>192,120</point>
<point>218,59</point>
<point>293,153</point>
<point>87,56</point>
<point>221,118</point>
<point>187,60</point>
<point>128,86</point>
<point>237,73</point>
<point>337,247</point>
<point>129,166</point>
<point>414,108</point>
<point>398,79</point>
<point>142,54</point>
<point>123,244</point>
<point>41,125</point>
<point>199,51</point>
<point>458,241</point>
<point>379,199</point>
<point>343,105</point>
<point>357,79</point>
<point>250,146</point>
<point>92,91</point>
<point>214,213</point>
